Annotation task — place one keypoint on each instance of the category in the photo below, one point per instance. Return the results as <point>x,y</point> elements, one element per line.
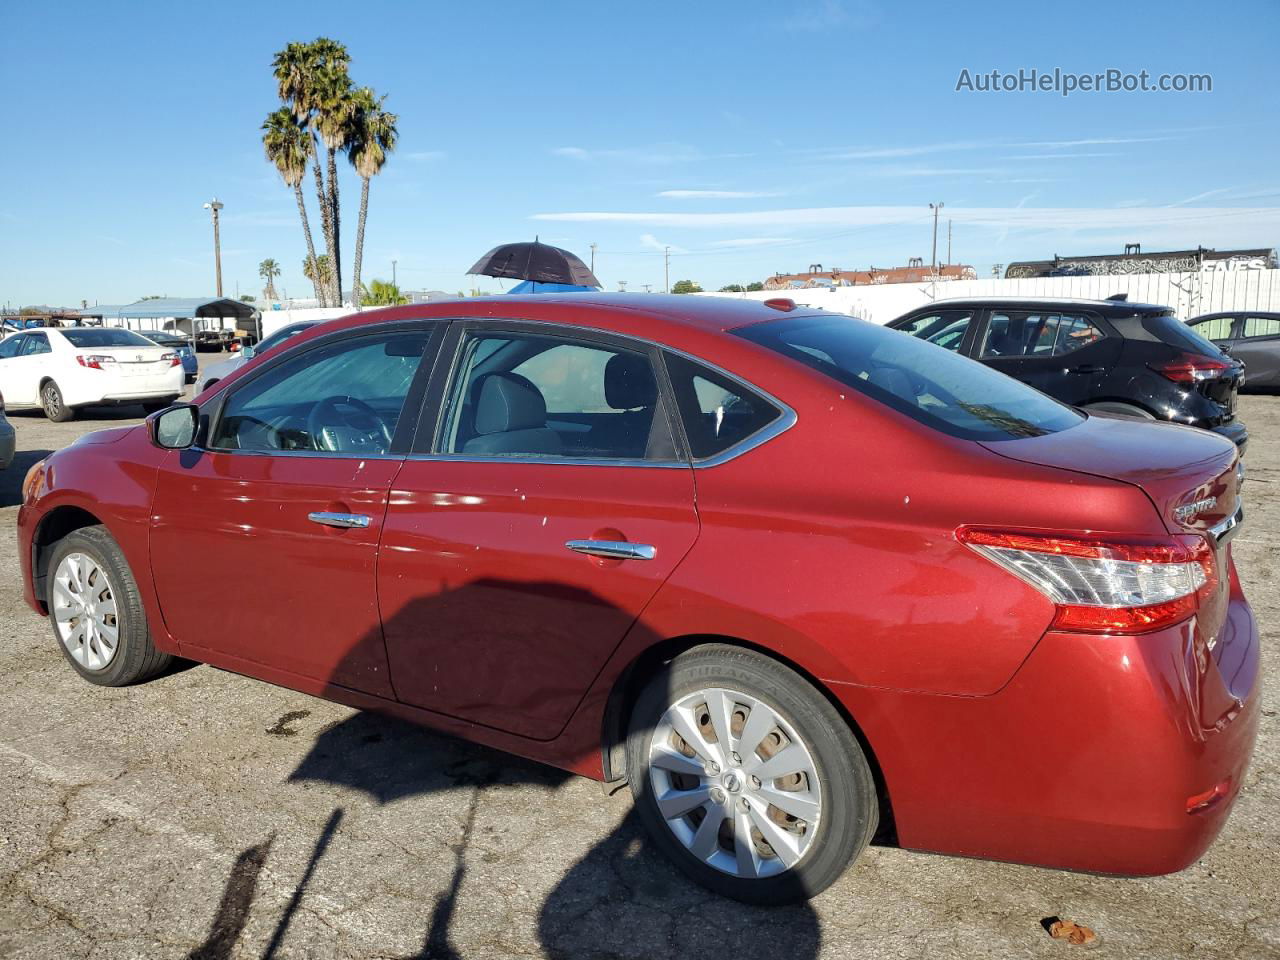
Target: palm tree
<point>319,271</point>
<point>302,72</point>
<point>268,270</point>
<point>380,293</point>
<point>373,136</point>
<point>289,147</point>
<point>335,107</point>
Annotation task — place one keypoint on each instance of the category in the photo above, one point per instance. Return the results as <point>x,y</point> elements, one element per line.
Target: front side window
<point>104,337</point>
<point>11,347</point>
<point>945,328</point>
<point>345,397</point>
<point>1215,328</point>
<point>718,413</point>
<point>519,395</point>
<point>1037,334</point>
<point>1261,326</point>
<point>938,388</point>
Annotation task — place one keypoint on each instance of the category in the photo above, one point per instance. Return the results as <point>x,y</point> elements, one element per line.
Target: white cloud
<point>661,154</point>
<point>1200,196</point>
<point>1057,156</point>
<point>424,156</point>
<point>715,194</point>
<point>1092,142</point>
<point>653,243</point>
<point>827,14</point>
<point>577,153</point>
<point>751,242</point>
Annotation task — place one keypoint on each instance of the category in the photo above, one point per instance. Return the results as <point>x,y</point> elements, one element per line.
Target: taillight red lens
<point>1191,367</point>
<point>174,359</point>
<point>94,361</point>
<point>1125,585</point>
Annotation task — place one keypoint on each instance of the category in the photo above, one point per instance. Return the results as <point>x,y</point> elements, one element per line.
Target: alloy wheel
<point>84,611</point>
<point>735,783</point>
<point>52,401</point>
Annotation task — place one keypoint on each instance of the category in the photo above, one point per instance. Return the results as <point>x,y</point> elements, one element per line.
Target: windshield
<point>100,337</point>
<point>1174,332</point>
<point>280,336</point>
<point>945,391</point>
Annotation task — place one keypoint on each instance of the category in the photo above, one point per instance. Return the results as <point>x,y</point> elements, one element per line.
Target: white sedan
<point>62,369</point>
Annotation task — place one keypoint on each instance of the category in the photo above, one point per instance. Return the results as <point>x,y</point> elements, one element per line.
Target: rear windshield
<point>1174,332</point>
<point>935,386</point>
<point>97,337</point>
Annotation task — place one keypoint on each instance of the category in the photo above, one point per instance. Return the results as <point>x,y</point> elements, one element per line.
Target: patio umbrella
<point>536,261</point>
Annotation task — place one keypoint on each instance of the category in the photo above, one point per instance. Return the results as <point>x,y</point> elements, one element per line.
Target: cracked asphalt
<point>206,815</point>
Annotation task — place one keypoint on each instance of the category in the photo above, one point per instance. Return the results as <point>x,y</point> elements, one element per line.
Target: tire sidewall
<point>848,792</point>
<point>133,641</point>
<point>62,412</point>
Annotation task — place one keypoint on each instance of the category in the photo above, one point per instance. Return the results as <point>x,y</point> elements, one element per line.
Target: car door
<point>264,537</point>
<point>35,363</point>
<point>1222,330</point>
<point>11,365</point>
<point>547,503</point>
<point>1259,347</point>
<point>1066,354</point>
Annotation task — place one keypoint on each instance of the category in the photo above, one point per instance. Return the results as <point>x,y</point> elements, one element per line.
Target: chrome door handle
<point>343,521</point>
<point>614,549</point>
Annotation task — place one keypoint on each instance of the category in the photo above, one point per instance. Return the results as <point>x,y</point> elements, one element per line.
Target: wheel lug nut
<point>713,768</point>
<point>717,795</point>
<point>735,758</point>
<point>755,782</point>
<point>743,803</point>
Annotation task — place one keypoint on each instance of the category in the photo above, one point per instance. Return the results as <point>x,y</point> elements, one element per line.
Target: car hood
<point>223,368</point>
<point>110,435</point>
<point>1176,466</point>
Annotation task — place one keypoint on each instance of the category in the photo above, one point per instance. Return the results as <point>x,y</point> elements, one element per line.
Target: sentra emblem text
<point>1188,511</point>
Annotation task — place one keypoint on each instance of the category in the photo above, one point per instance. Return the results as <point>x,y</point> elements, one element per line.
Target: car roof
<point>1118,307</point>
<point>617,312</point>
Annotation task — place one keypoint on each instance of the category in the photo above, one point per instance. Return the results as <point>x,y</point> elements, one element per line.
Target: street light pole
<point>393,274</point>
<point>215,206</point>
<point>936,208</point>
<point>666,269</point>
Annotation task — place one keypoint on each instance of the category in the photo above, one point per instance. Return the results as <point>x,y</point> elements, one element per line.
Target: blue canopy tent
<point>531,286</point>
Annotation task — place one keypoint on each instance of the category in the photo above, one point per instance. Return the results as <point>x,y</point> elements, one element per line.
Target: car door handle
<point>614,549</point>
<point>344,521</point>
<point>1087,368</point>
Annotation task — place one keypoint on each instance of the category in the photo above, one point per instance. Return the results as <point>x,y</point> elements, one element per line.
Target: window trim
<point>401,441</point>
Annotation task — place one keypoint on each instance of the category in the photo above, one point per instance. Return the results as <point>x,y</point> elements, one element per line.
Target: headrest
<point>629,383</point>
<point>893,380</point>
<point>508,401</point>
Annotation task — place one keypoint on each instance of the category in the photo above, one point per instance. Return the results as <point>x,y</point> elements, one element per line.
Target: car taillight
<point>1129,585</point>
<point>174,359</point>
<point>1191,367</point>
<point>94,361</point>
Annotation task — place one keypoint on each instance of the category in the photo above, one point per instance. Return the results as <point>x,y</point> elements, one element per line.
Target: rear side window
<point>718,413</point>
<point>945,391</point>
<point>36,343</point>
<point>1169,329</point>
<point>1261,326</point>
<point>1037,334</point>
<point>1215,328</point>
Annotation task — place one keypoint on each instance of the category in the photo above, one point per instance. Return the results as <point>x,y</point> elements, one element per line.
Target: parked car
<point>1108,356</point>
<point>1252,337</point>
<point>62,370</point>
<point>180,345</point>
<point>8,438</point>
<point>910,592</point>
<point>216,371</point>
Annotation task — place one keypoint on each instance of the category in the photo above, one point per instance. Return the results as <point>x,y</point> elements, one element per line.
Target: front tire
<point>96,611</point>
<point>747,777</point>
<point>55,407</point>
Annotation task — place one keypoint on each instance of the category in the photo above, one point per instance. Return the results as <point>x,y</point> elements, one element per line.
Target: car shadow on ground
<point>621,889</point>
<point>12,476</point>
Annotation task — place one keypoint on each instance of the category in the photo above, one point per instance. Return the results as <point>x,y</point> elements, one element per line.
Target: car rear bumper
<point>1105,754</point>
<point>1236,433</point>
<point>120,390</point>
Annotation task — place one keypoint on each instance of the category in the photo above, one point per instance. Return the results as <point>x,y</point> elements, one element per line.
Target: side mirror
<point>174,428</point>
<point>248,351</point>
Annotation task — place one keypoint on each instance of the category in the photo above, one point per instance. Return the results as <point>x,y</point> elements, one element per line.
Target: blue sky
<point>750,137</point>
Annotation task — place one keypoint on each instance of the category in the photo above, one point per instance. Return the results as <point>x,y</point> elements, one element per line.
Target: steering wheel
<point>343,424</point>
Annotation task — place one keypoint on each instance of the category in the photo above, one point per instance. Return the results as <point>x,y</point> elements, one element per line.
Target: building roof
<point>181,307</point>
<point>859,278</point>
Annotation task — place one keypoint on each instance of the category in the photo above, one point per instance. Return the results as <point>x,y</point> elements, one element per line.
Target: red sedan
<point>795,577</point>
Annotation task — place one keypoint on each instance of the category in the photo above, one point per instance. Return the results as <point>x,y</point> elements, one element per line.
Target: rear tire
<point>55,408</point>
<point>96,612</point>
<point>703,803</point>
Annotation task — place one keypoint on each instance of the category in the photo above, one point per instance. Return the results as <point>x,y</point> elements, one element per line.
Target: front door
<point>264,542</point>
<point>15,387</point>
<point>1066,355</point>
<point>529,536</point>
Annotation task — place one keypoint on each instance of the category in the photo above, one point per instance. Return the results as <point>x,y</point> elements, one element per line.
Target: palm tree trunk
<point>311,247</point>
<point>326,221</point>
<point>335,257</point>
<point>364,211</point>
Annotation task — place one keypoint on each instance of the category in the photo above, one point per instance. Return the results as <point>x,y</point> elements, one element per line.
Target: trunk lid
<point>1188,473</point>
<point>133,361</point>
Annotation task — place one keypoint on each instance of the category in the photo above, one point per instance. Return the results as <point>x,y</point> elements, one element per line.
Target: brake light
<point>94,361</point>
<point>1191,368</point>
<point>174,359</point>
<point>1128,585</point>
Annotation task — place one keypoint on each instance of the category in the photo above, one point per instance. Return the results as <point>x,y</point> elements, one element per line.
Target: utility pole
<point>215,206</point>
<point>948,241</point>
<point>593,257</point>
<point>936,208</point>
<point>666,269</point>
<point>393,275</point>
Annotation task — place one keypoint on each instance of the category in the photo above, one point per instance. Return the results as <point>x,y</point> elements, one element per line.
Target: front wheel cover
<point>55,407</point>
<point>747,777</point>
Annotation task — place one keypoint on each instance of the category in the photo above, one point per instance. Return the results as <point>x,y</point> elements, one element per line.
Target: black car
<point>1252,337</point>
<point>1109,356</point>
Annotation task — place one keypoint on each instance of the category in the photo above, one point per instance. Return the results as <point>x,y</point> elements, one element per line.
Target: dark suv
<point>1104,355</point>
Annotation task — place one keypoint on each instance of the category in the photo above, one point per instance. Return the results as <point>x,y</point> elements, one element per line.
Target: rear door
<point>1064,353</point>
<point>1259,347</point>
<point>546,504</point>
